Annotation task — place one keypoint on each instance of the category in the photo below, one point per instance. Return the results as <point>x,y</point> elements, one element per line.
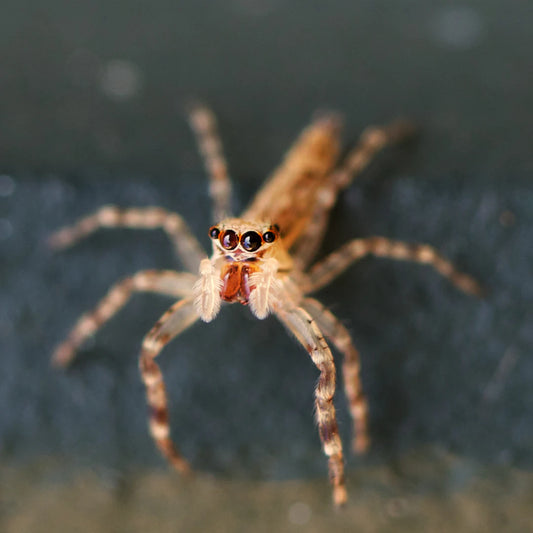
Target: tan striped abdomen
<point>289,196</point>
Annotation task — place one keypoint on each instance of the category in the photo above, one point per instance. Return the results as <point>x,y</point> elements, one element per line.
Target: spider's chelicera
<point>263,260</point>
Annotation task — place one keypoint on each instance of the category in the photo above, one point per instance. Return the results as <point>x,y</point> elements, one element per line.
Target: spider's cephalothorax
<point>247,260</point>
<point>264,265</point>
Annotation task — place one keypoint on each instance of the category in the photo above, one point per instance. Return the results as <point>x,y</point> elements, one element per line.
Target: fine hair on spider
<point>262,259</point>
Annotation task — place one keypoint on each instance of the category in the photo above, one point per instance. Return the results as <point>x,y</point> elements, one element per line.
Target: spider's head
<point>239,240</point>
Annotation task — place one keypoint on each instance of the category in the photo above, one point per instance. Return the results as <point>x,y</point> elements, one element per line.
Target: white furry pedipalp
<point>267,288</point>
<point>207,291</point>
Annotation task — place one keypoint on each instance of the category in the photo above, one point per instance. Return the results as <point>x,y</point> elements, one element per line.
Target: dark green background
<point>443,371</point>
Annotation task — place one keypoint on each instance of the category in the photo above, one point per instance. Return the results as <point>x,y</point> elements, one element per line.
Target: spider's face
<point>243,241</point>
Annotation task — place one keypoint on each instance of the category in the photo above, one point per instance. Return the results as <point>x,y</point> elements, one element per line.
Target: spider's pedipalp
<point>334,264</point>
<point>301,324</point>
<point>176,319</point>
<point>203,124</point>
<point>206,291</point>
<point>166,282</point>
<point>266,288</point>
<point>351,370</point>
<point>187,247</point>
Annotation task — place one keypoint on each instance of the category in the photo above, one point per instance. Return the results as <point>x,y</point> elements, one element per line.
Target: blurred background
<point>92,98</point>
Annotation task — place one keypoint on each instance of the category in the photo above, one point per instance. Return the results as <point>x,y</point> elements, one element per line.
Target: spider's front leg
<point>175,320</point>
<point>303,326</point>
<point>351,369</point>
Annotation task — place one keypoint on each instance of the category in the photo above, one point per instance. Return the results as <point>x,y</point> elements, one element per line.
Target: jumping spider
<point>261,259</point>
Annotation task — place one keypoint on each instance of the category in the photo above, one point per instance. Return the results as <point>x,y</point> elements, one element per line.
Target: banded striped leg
<point>175,320</point>
<point>187,247</point>
<point>167,282</point>
<point>372,141</point>
<point>204,125</point>
<point>328,269</point>
<point>305,329</point>
<point>339,336</point>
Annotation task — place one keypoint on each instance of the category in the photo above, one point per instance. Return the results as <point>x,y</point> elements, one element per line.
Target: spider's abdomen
<point>236,281</point>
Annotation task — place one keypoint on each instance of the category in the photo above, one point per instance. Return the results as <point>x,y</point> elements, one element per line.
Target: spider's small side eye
<point>269,236</point>
<point>229,239</point>
<point>251,241</point>
<point>214,232</point>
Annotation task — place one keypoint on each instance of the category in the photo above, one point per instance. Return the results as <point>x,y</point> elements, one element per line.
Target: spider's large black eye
<point>214,232</point>
<point>251,241</point>
<point>229,239</point>
<point>269,236</point>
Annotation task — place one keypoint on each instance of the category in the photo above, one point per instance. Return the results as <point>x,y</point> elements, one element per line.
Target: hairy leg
<point>203,123</point>
<point>175,320</point>
<point>305,329</point>
<point>372,141</point>
<point>339,336</point>
<point>167,282</point>
<point>187,247</point>
<point>328,269</point>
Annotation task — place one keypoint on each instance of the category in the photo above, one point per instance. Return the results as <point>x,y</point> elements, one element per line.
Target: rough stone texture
<point>91,99</point>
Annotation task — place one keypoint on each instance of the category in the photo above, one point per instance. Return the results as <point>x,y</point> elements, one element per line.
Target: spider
<point>261,259</point>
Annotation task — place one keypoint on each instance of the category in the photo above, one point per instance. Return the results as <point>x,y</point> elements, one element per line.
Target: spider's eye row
<point>229,239</point>
<point>269,236</point>
<point>214,232</point>
<point>251,241</point>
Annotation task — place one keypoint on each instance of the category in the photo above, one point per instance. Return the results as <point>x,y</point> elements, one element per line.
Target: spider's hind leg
<point>203,124</point>
<point>305,329</point>
<point>373,140</point>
